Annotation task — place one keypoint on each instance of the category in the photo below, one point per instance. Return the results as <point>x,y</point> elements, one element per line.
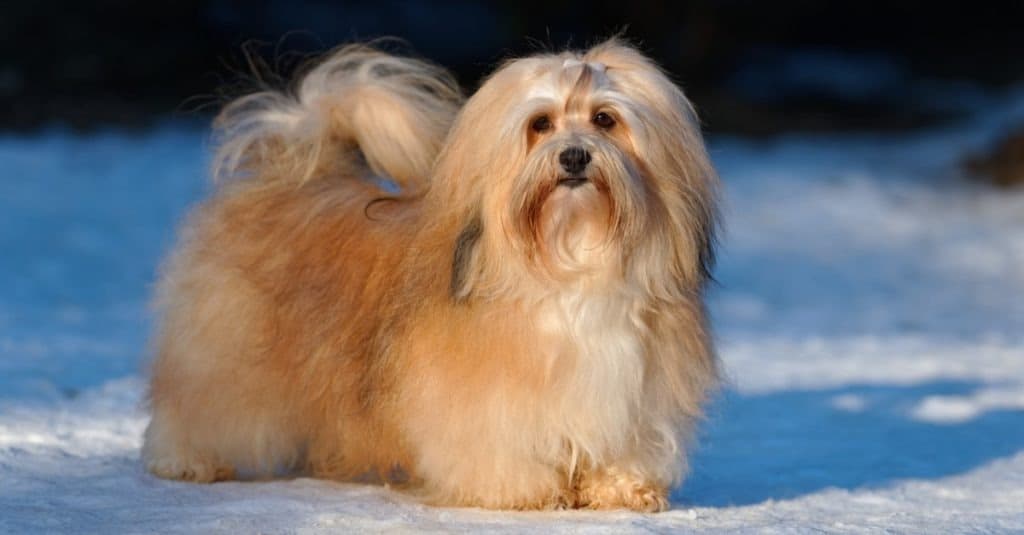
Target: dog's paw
<point>614,489</point>
<point>189,470</point>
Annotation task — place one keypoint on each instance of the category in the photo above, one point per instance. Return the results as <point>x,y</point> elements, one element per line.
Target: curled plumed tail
<point>359,110</point>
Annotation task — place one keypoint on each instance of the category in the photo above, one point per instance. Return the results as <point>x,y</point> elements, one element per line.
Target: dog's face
<point>583,164</point>
<point>579,194</point>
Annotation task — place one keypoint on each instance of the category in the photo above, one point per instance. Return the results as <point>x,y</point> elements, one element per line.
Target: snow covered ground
<point>869,314</point>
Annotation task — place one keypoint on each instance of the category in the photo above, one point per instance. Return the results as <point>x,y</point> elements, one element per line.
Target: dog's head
<point>579,165</point>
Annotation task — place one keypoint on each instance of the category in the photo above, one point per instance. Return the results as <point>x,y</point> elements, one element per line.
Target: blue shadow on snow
<point>786,444</point>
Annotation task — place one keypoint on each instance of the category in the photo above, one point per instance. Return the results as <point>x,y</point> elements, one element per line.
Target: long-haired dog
<point>520,326</point>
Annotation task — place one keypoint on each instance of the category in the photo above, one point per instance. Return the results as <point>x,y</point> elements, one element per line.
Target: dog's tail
<point>359,110</point>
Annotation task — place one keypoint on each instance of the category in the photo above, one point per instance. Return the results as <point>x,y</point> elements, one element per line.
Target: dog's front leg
<point>466,474</point>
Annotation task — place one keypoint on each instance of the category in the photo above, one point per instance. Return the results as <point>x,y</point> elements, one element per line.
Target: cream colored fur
<point>487,337</point>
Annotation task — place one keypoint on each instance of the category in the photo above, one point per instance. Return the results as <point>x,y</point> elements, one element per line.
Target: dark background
<point>751,67</point>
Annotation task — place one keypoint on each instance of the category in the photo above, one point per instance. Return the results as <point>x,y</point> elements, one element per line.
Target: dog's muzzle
<point>574,160</point>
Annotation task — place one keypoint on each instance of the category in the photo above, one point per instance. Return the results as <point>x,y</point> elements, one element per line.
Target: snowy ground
<point>869,315</point>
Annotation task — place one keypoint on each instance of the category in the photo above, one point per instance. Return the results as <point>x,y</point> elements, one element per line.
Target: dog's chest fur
<point>596,346</point>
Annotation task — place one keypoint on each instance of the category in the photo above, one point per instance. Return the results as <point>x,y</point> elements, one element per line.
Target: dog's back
<point>280,264</point>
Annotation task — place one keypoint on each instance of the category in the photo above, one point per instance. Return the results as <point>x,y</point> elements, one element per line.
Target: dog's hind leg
<point>216,443</point>
<point>168,453</point>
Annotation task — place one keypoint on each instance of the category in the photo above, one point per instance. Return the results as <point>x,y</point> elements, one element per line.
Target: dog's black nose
<point>574,160</point>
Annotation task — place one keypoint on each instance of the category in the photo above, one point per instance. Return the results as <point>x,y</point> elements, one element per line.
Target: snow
<point>868,312</point>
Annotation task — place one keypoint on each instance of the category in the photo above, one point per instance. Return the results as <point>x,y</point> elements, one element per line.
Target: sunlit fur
<point>486,337</point>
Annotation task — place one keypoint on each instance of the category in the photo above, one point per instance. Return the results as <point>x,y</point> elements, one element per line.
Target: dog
<point>492,302</point>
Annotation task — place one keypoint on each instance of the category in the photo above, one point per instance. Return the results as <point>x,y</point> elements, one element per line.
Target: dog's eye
<point>541,124</point>
<point>603,120</point>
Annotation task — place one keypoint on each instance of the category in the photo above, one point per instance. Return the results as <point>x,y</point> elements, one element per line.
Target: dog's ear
<point>462,259</point>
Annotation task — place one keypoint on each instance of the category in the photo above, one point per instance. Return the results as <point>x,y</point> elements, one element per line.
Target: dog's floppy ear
<point>462,259</point>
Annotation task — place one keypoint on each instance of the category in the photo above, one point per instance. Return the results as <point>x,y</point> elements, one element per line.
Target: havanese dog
<point>495,302</point>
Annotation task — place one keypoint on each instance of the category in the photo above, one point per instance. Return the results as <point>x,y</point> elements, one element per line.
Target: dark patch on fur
<point>707,257</point>
<point>464,245</point>
<point>707,240</point>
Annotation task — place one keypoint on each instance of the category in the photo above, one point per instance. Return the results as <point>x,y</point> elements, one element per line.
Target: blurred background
<point>753,68</point>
